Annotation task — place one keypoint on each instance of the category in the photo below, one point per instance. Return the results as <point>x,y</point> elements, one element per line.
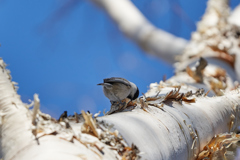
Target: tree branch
<point>174,129</point>
<point>173,120</point>
<point>135,26</point>
<point>234,17</point>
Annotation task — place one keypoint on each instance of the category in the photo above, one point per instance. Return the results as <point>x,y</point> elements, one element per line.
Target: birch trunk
<point>175,119</point>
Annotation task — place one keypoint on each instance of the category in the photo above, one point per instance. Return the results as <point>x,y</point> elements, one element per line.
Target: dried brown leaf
<point>90,123</point>
<point>143,104</point>
<point>217,86</point>
<point>173,94</point>
<point>221,54</point>
<point>197,75</point>
<point>188,100</point>
<point>218,146</point>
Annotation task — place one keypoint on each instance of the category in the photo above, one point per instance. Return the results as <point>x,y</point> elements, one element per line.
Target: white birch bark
<point>135,26</point>
<point>177,130</point>
<point>172,124</point>
<point>165,128</point>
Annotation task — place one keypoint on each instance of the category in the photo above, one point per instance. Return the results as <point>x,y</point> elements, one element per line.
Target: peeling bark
<point>175,119</point>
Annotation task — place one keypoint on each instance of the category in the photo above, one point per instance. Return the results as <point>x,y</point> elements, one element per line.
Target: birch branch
<point>177,130</point>
<point>172,124</point>
<point>173,120</point>
<point>234,20</point>
<point>136,27</point>
<point>215,40</point>
<point>234,17</point>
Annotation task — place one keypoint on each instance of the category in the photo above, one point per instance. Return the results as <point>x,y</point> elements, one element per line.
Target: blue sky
<point>61,49</point>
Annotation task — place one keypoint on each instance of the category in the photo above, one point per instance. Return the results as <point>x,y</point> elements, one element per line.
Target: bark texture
<point>175,119</point>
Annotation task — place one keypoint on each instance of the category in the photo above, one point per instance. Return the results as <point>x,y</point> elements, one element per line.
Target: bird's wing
<point>117,80</point>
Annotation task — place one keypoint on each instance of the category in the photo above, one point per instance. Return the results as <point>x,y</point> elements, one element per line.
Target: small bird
<point>116,89</point>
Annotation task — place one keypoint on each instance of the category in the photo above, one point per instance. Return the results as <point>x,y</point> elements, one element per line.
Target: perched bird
<point>116,89</point>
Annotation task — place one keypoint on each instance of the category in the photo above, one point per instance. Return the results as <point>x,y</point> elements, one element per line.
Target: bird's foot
<point>117,106</point>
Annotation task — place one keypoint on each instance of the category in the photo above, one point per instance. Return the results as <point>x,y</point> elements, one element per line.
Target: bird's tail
<point>107,85</point>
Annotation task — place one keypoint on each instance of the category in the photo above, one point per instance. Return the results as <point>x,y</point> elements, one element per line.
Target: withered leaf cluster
<point>197,74</point>
<point>217,81</point>
<point>90,127</point>
<point>221,147</point>
<point>113,139</point>
<point>174,95</point>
